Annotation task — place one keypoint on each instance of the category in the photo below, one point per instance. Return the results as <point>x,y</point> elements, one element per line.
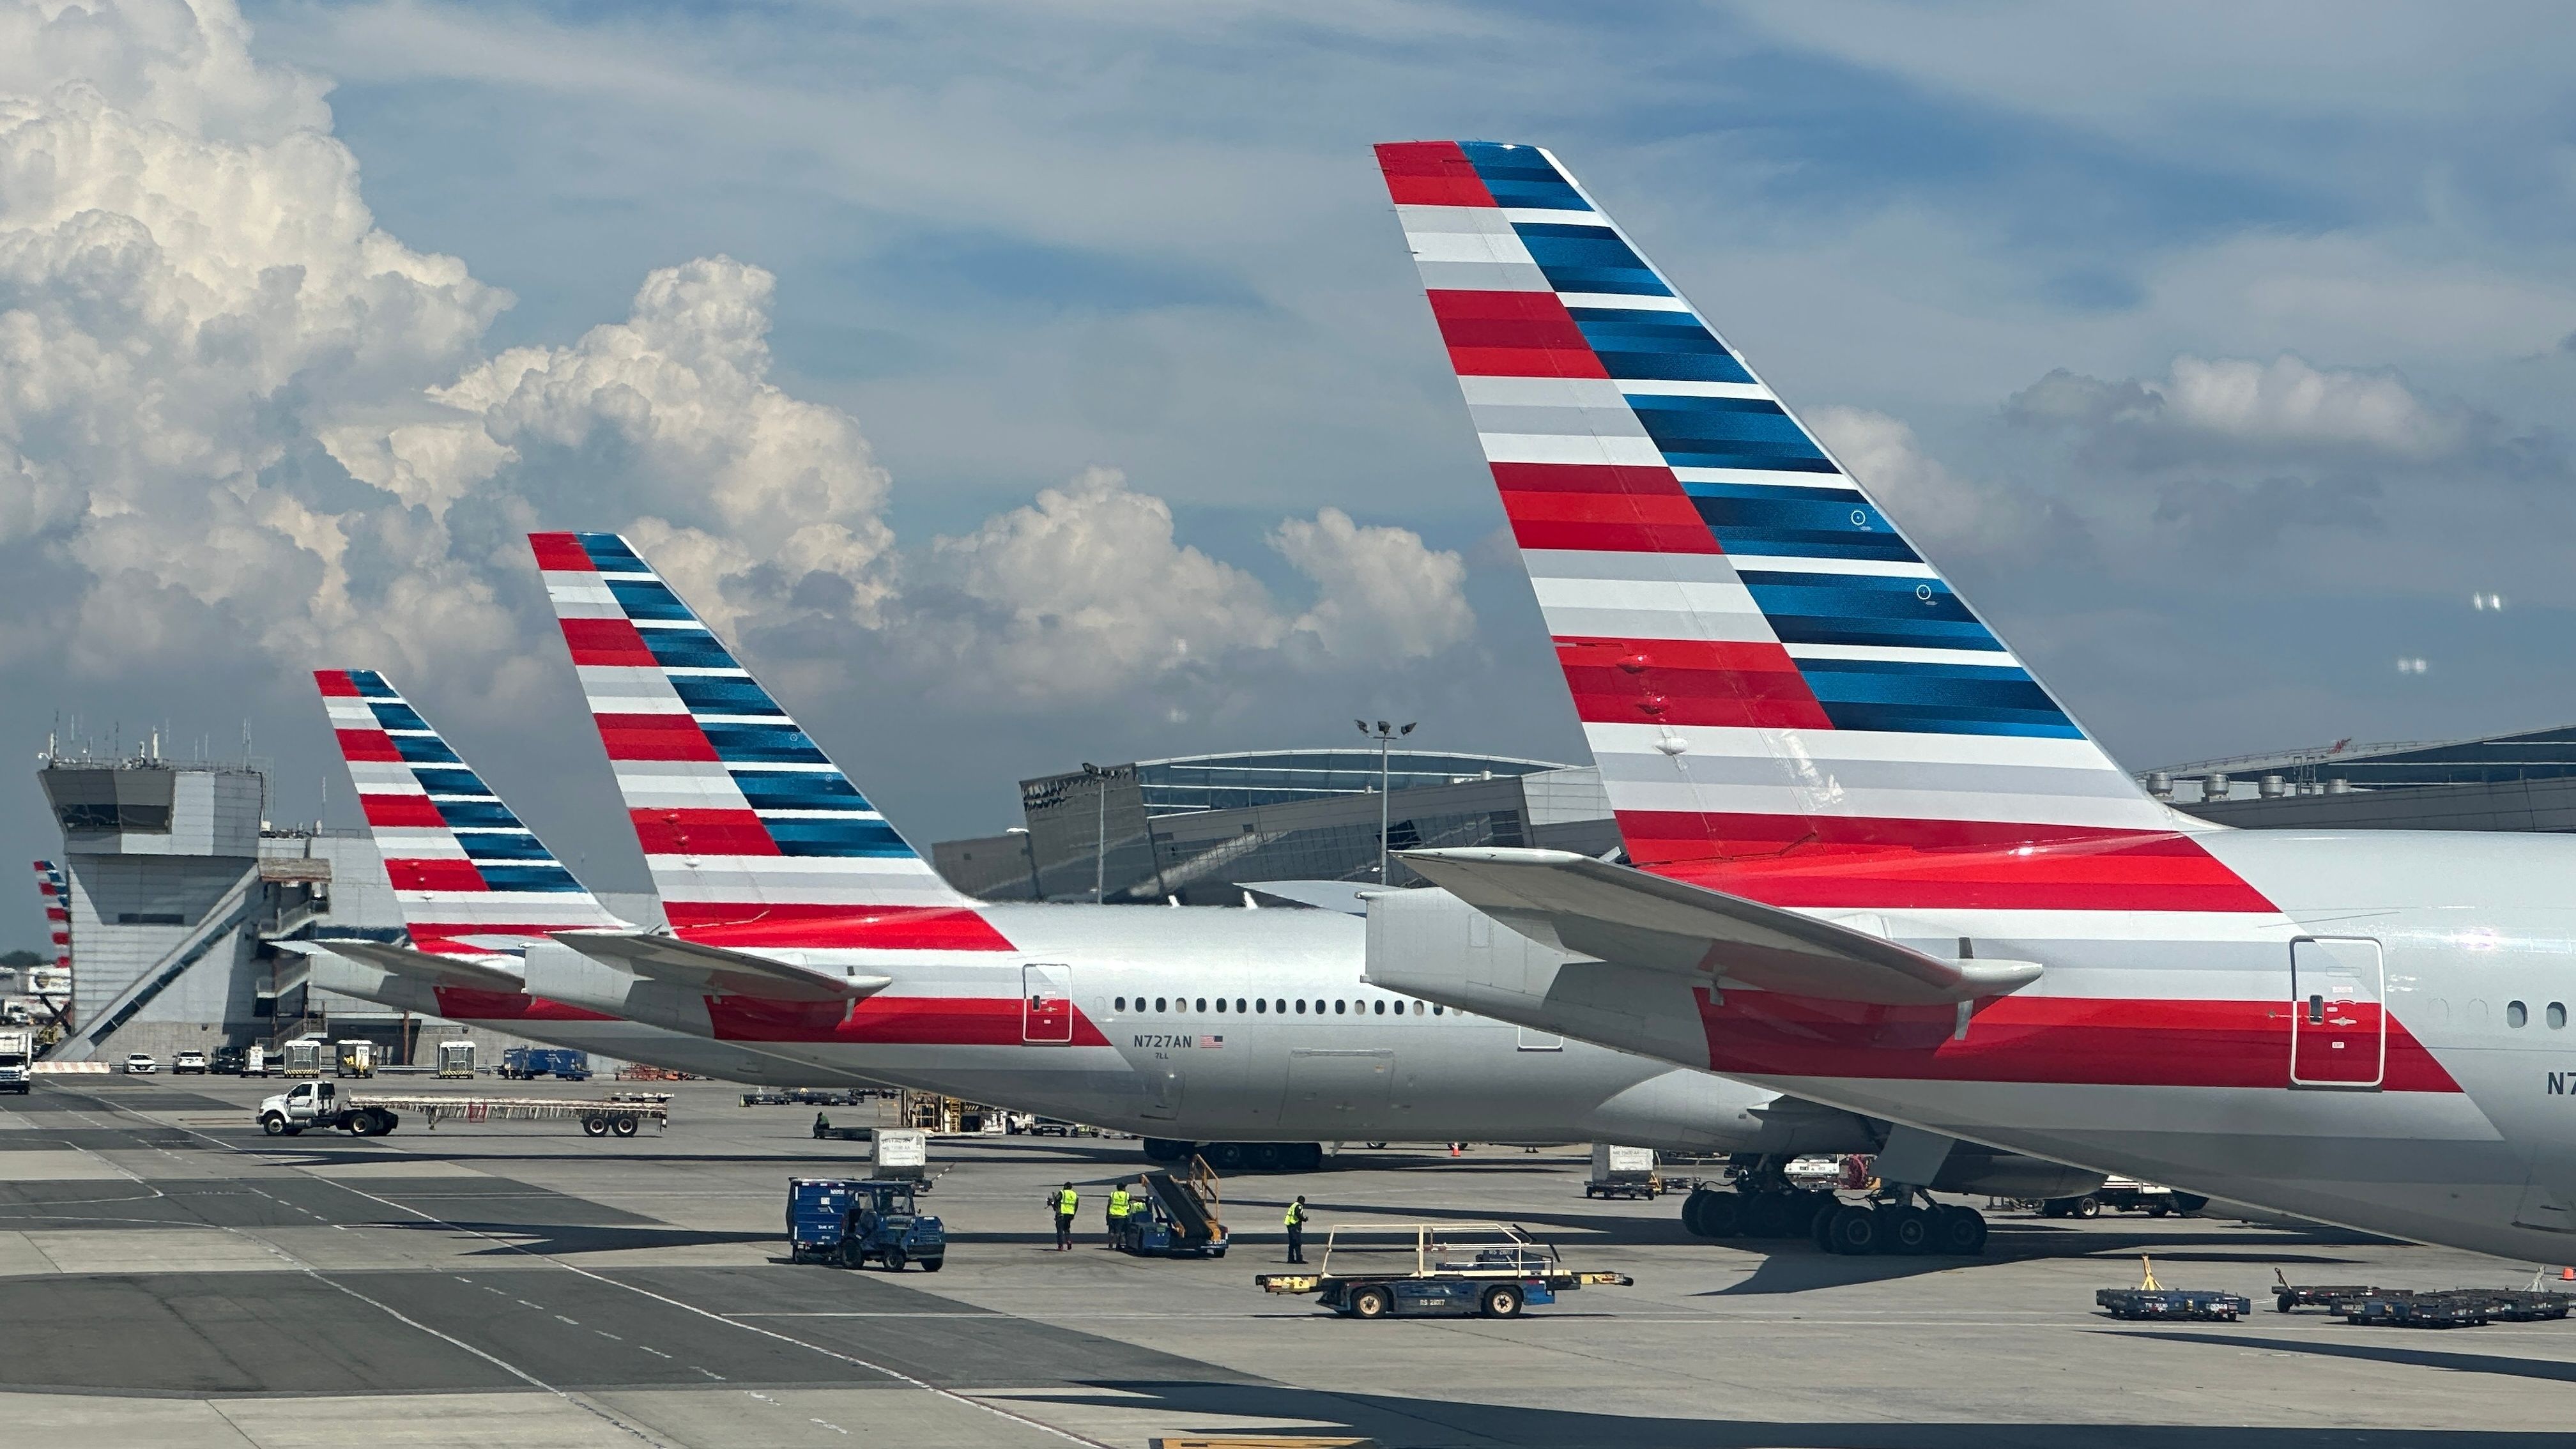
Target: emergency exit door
<point>2338,1022</point>
<point>1046,1005</point>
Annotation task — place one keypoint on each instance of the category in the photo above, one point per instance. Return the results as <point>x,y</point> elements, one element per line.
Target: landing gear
<point>1761,1205</point>
<point>1233,1156</point>
<point>1902,1226</point>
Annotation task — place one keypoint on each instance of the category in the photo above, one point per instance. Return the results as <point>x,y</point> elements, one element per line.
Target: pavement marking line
<point>828,1424</point>
<point>710,1373</point>
<point>657,1353</point>
<point>613,1420</point>
<point>897,1375</point>
<point>575,1322</point>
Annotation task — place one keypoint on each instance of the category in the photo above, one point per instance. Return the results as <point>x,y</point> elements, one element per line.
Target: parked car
<point>227,1061</point>
<point>191,1063</point>
<point>140,1063</point>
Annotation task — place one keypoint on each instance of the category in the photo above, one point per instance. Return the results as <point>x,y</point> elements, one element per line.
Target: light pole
<point>1100,776</point>
<point>1386,735</point>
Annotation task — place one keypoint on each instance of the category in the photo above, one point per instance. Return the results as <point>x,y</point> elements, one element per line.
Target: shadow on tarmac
<point>1405,1423</point>
<point>2504,1365</point>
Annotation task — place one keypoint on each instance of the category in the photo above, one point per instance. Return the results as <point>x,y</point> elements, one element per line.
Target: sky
<point>1025,384</point>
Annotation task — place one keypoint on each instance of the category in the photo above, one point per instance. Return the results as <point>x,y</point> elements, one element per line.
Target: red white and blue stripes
<point>57,891</point>
<point>469,877</point>
<point>1761,661</point>
<point>743,819</point>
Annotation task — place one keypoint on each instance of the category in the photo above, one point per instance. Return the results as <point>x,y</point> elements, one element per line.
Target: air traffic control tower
<point>177,890</point>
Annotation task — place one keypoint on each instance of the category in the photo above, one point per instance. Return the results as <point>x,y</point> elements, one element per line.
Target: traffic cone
<point>2567,1275</point>
<point>1453,1149</point>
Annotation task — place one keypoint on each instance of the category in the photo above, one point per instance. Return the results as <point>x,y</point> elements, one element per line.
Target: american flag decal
<point>1210,1043</point>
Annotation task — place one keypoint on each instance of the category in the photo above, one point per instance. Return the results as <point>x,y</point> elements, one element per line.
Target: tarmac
<point>170,1276</point>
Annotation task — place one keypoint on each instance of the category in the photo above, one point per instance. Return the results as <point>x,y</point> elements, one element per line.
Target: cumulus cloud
<point>243,422</point>
<point>2240,404</point>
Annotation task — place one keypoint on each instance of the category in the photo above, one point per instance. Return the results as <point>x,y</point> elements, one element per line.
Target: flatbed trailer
<point>372,1114</point>
<point>2151,1299</point>
<point>2289,1297</point>
<point>1374,1271</point>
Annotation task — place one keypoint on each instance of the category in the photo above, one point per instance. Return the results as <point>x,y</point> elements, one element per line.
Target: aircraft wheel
<point>1304,1156</point>
<point>1766,1215</point>
<point>1854,1231</point>
<point>1959,1232</point>
<point>1265,1156</point>
<point>1227,1155</point>
<point>1722,1215</point>
<point>1908,1230</point>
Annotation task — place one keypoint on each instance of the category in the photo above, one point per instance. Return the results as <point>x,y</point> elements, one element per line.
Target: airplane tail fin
<point>469,878</point>
<point>742,817</point>
<point>1762,663</point>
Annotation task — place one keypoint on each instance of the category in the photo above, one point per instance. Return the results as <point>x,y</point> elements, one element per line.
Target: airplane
<point>804,926</point>
<point>1872,862</point>
<point>475,887</point>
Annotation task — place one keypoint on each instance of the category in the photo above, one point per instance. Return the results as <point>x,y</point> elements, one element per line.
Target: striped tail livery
<point>470,879</point>
<point>746,823</point>
<point>1764,667</point>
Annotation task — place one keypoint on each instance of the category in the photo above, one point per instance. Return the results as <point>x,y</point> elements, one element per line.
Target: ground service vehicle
<point>304,1056</point>
<point>851,1221</point>
<point>321,1104</point>
<point>1431,1269</point>
<point>1622,1172</point>
<point>903,1153</point>
<point>17,1055</point>
<point>456,1060</point>
<point>354,1058</point>
<point>524,1064</point>
<point>1176,1217</point>
<point>258,1061</point>
<point>1873,863</point>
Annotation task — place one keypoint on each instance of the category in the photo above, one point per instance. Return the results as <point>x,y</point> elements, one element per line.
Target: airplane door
<point>1046,1005</point>
<point>2338,1023</point>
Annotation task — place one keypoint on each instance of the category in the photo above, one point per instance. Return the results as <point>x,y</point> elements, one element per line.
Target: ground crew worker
<point>822,1124</point>
<point>1121,1204</point>
<point>1062,1202</point>
<point>1297,1230</point>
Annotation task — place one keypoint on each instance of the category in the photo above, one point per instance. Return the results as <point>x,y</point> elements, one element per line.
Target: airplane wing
<point>1623,915</point>
<point>404,961</point>
<point>716,969</point>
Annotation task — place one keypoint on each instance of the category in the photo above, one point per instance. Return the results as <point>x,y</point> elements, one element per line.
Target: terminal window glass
<point>2515,1013</point>
<point>2557,1015</point>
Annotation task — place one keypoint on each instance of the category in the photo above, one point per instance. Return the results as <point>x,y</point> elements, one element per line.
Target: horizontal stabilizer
<point>404,961</point>
<point>718,970</point>
<point>1623,915</point>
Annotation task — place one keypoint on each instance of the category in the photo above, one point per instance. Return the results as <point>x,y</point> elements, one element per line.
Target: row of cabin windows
<point>2516,1014</point>
<point>1259,1006</point>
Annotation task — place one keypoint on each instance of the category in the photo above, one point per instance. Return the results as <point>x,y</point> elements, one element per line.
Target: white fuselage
<point>1209,1025</point>
<point>2386,1048</point>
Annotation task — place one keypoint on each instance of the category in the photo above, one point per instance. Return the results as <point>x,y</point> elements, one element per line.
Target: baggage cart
<point>2151,1299</point>
<point>1623,1172</point>
<point>1432,1269</point>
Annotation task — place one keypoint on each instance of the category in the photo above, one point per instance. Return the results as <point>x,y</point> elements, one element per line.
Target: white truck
<point>321,1104</point>
<point>17,1056</point>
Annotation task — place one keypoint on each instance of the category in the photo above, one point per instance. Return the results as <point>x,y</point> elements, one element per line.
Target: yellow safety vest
<point>1120,1204</point>
<point>1065,1198</point>
<point>1296,1215</point>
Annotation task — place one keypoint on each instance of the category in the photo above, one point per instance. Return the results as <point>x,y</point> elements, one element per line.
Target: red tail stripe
<point>1688,682</point>
<point>823,928</point>
<point>701,832</point>
<point>654,737</point>
<point>368,745</point>
<point>561,553</point>
<point>435,875</point>
<point>1513,334</point>
<point>416,811</point>
<point>1431,173</point>
<point>607,642</point>
<point>335,684</point>
<point>1586,523</point>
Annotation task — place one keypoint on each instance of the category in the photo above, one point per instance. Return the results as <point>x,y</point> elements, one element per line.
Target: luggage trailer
<point>1386,1270</point>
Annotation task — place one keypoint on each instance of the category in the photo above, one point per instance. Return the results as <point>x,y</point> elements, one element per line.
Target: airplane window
<point>1122,1003</point>
<point>1437,1010</point>
<point>1381,1008</point>
<point>1417,1008</point>
<point>1339,1007</point>
<point>2557,1015</point>
<point>1220,1003</point>
<point>2515,1013</point>
<point>1158,1003</point>
<point>1282,1008</point>
<point>1238,1005</point>
<point>1301,1006</point>
<point>1260,1003</point>
<point>1202,1003</point>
